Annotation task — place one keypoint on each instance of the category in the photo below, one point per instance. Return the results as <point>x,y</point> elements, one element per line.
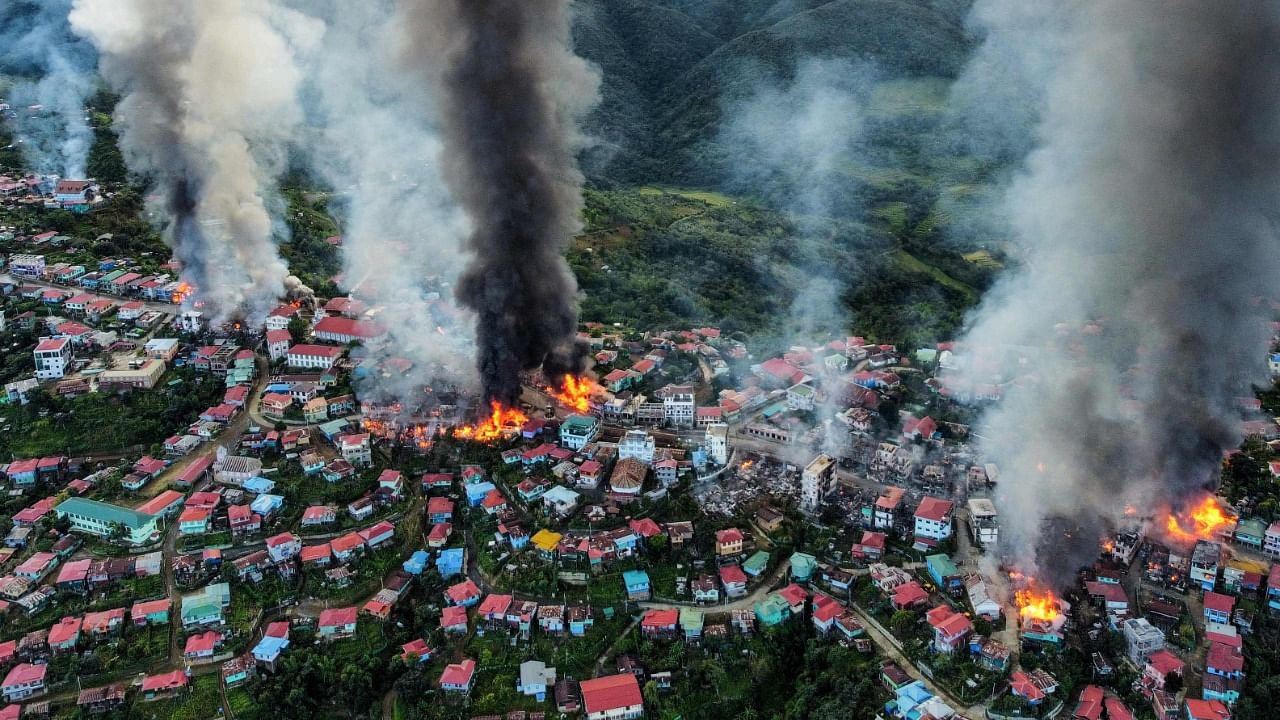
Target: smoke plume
<point>36,42</point>
<point>209,105</point>
<point>1145,223</point>
<point>401,230</point>
<point>509,92</point>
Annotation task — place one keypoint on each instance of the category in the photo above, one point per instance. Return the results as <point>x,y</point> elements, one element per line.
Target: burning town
<point>749,359</point>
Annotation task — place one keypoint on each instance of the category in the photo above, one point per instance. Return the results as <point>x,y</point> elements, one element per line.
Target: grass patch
<point>982,258</point>
<point>709,197</point>
<point>911,263</point>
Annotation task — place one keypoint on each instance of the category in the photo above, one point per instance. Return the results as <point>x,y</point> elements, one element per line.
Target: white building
<point>637,444</point>
<point>816,482</point>
<point>933,518</point>
<point>191,321</point>
<point>356,449</point>
<point>53,358</point>
<point>718,443</point>
<point>278,342</point>
<point>678,405</point>
<point>578,431</point>
<point>801,397</point>
<point>321,357</point>
<point>1141,639</point>
<point>27,265</point>
<point>1271,540</point>
<point>983,521</point>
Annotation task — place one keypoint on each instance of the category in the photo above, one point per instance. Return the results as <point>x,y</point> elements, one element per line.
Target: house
<point>535,678</point>
<point>202,645</point>
<point>612,697</point>
<point>464,593</point>
<point>568,697</point>
<point>659,624</point>
<point>980,598</point>
<point>440,509</point>
<point>1206,710</point>
<point>439,535</point>
<point>449,562</point>
<point>1160,665</point>
<point>355,449</point>
<point>269,648</point>
<point>870,547</point>
<point>933,518</point>
<point>164,685</point>
<point>1218,608</point>
<point>103,624</point>
<point>457,677</point>
<point>204,607</point>
<point>1141,640</point>
<point>346,547</point>
<point>769,519</point>
<point>415,651</point>
<point>278,342</point>
<point>581,619</point>
<point>950,629</point>
<point>284,546</point>
<point>453,619</point>
<point>25,680</point>
<point>802,566</point>
<point>637,584</point>
<point>343,330</point>
<point>338,623</point>
<point>360,509</point>
<point>194,521</point>
<point>64,635</point>
<point>772,610</point>
<point>150,612</point>
<point>729,542</point>
<point>317,515</point>
<point>908,595</point>
<point>94,701</point>
<point>825,612</point>
<point>1224,668</point>
<point>377,534</point>
<point>944,573</point>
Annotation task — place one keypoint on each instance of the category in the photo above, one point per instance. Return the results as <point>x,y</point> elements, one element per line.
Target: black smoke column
<point>509,91</point>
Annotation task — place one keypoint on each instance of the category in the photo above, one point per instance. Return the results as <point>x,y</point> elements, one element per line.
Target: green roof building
<point>205,606</point>
<point>101,519</point>
<point>773,610</point>
<point>691,622</point>
<point>577,431</point>
<point>1251,532</point>
<point>756,564</point>
<point>802,566</point>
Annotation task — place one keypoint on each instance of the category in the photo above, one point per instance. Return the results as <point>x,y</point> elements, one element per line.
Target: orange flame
<point>1202,521</point>
<point>1037,604</point>
<point>181,292</point>
<point>746,465</point>
<point>1109,546</point>
<point>501,422</point>
<point>574,393</point>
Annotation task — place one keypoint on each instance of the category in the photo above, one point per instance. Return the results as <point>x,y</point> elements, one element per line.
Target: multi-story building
<point>637,444</point>
<point>1271,540</point>
<point>717,440</point>
<point>678,406</point>
<point>1205,559</point>
<point>1141,640</point>
<point>816,482</point>
<point>27,265</point>
<point>313,356</point>
<point>983,521</point>
<point>104,520</point>
<point>53,358</point>
<point>933,518</point>
<point>577,431</point>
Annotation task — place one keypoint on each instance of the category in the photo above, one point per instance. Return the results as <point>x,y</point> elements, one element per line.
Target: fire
<point>1037,604</point>
<point>501,421</point>
<point>181,292</point>
<point>746,465</point>
<point>1202,521</point>
<point>1109,546</point>
<point>574,393</point>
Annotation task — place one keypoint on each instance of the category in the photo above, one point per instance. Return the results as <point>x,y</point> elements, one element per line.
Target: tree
<point>1173,683</point>
<point>902,622</point>
<point>651,697</point>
